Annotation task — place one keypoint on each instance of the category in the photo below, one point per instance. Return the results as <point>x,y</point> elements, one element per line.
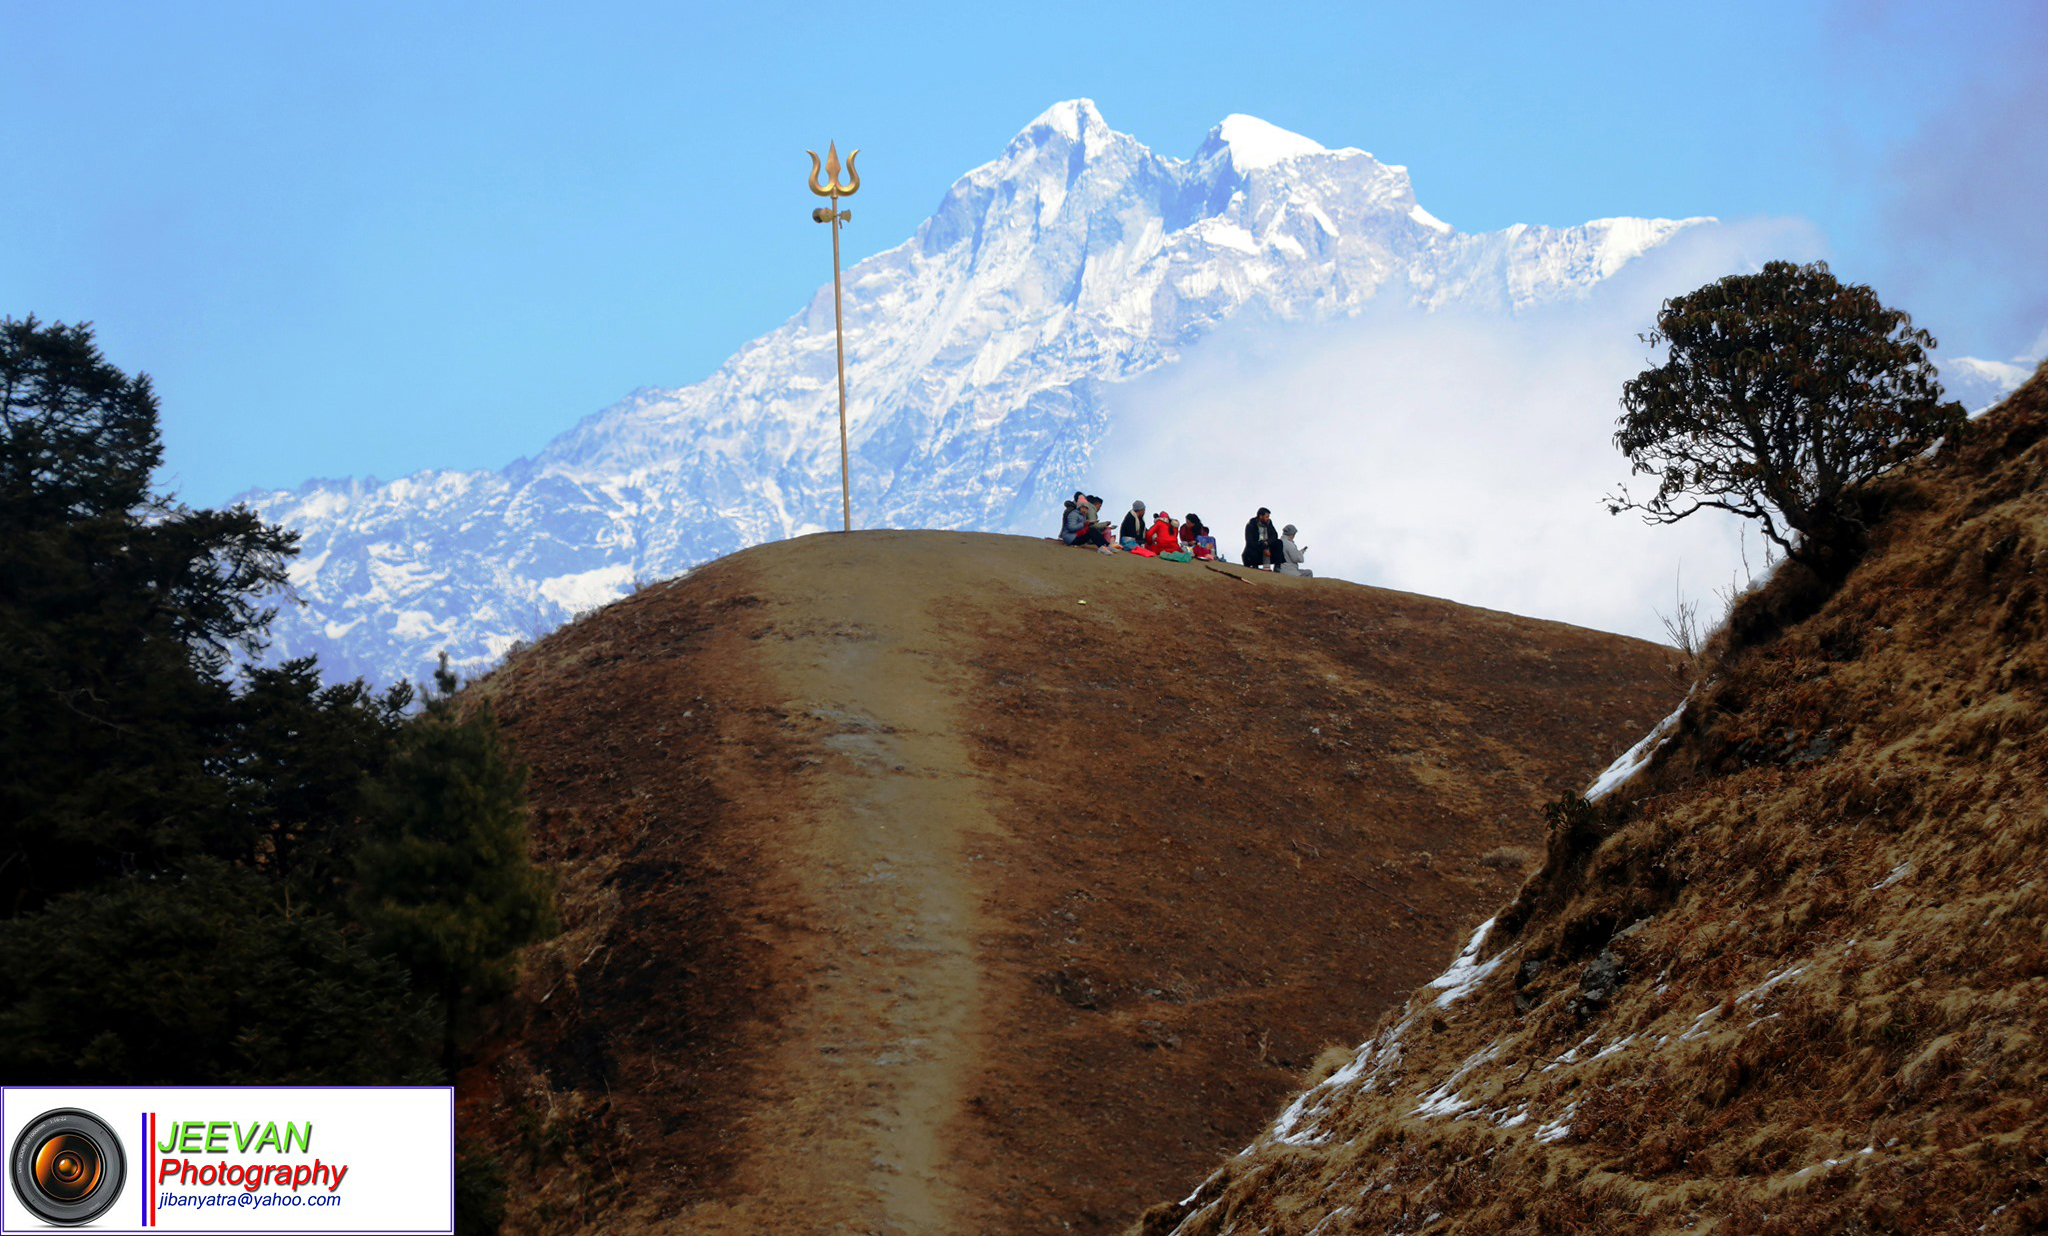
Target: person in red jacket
<point>1162,539</point>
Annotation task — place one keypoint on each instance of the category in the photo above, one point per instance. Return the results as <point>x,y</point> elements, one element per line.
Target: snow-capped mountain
<point>1978,384</point>
<point>983,354</point>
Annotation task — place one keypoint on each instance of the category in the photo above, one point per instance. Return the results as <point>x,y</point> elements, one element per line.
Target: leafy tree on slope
<point>1783,390</point>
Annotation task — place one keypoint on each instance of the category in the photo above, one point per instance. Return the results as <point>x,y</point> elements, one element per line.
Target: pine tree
<point>183,846</point>
<point>200,976</point>
<point>303,753</point>
<point>444,883</point>
<point>119,611</point>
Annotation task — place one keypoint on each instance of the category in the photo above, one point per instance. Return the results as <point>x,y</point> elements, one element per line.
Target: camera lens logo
<point>67,1167</point>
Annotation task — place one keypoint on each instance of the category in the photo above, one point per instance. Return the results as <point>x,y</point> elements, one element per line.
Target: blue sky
<point>369,238</point>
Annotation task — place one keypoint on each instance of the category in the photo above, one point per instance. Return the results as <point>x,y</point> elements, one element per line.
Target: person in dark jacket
<point>1262,541</point>
<point>1134,526</point>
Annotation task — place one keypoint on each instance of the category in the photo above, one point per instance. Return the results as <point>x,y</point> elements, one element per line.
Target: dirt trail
<point>875,1055</point>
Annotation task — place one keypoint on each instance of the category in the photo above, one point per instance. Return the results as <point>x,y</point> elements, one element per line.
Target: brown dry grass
<point>906,892</point>
<point>1829,899</point>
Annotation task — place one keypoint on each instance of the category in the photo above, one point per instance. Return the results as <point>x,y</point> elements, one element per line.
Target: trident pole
<point>832,188</point>
<point>839,338</point>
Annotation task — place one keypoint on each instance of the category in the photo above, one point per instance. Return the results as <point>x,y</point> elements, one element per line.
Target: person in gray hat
<point>1293,554</point>
<point>1132,533</point>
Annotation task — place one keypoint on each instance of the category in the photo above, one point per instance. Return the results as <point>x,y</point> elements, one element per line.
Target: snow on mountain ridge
<point>1067,118</point>
<point>981,353</point>
<point>1252,143</point>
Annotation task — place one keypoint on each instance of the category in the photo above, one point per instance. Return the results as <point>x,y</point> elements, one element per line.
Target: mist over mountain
<point>991,353</point>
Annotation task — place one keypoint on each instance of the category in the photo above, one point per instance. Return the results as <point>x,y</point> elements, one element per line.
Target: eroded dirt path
<point>883,816</point>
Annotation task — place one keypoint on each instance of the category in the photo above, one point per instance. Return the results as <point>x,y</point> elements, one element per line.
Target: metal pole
<point>833,189</point>
<point>839,333</point>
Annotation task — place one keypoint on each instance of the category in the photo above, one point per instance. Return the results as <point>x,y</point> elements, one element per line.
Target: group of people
<point>1187,539</point>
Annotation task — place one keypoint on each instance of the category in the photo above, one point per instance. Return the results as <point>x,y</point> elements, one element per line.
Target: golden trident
<point>835,216</point>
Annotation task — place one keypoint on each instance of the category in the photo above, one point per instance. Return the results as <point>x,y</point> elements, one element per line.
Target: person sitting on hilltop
<point>1184,553</point>
<point>1262,542</point>
<point>1075,520</point>
<point>1161,537</point>
<point>1093,533</point>
<point>1292,554</point>
<point>1132,533</point>
<point>1164,539</point>
<point>1195,535</point>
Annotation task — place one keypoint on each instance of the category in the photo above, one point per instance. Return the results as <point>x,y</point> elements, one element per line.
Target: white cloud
<point>1457,455</point>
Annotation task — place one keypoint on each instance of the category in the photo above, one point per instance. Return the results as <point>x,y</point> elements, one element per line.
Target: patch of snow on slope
<point>1224,234</point>
<point>1296,1125</point>
<point>303,571</point>
<point>1445,1100</point>
<point>1770,980</point>
<point>1699,1027</point>
<point>418,623</point>
<point>394,573</point>
<point>1559,1129</point>
<point>1467,971</point>
<point>1571,1054</point>
<point>1328,1219</point>
<point>1635,757</point>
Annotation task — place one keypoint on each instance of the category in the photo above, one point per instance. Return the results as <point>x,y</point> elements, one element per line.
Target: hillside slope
<point>1795,979</point>
<point>949,882</point>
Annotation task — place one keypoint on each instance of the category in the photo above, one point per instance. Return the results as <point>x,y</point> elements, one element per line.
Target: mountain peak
<point>1251,143</point>
<point>1069,118</point>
